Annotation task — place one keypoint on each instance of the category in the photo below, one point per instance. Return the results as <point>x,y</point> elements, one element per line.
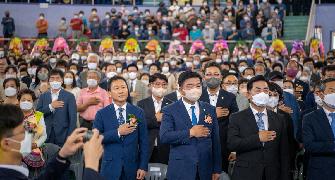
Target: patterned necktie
<point>121,118</point>
<point>194,117</point>
<point>332,115</point>
<point>260,122</point>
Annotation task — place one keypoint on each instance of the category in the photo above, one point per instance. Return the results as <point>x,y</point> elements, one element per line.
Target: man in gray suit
<point>59,109</point>
<point>137,89</point>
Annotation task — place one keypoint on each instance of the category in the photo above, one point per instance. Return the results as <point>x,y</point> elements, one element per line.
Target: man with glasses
<point>259,138</point>
<point>191,129</point>
<point>225,103</point>
<point>152,106</point>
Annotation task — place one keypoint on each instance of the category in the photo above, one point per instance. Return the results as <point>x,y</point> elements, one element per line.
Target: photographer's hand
<point>73,143</point>
<point>93,150</point>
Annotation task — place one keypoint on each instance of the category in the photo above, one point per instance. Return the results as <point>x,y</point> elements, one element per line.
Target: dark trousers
<point>85,123</point>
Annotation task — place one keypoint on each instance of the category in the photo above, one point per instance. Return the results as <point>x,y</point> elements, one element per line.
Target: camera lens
<point>88,136</point>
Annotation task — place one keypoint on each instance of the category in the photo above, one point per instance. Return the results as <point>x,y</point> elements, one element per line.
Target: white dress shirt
<point>157,104</point>
<point>189,110</point>
<point>213,98</point>
<point>21,169</point>
<point>264,117</point>
<point>178,95</point>
<point>328,117</point>
<point>124,113</point>
<point>54,97</point>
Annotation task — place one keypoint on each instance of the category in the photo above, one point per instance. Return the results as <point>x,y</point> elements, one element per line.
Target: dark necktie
<point>194,117</point>
<point>121,118</point>
<point>260,122</point>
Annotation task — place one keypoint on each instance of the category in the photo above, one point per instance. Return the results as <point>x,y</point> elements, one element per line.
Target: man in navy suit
<point>59,109</point>
<point>225,103</point>
<point>125,132</point>
<point>191,128</point>
<point>152,106</point>
<point>318,135</point>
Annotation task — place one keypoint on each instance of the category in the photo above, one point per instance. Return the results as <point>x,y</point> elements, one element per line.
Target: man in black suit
<point>15,143</point>
<point>318,135</point>
<point>152,107</point>
<point>275,100</point>
<point>258,137</point>
<point>224,102</point>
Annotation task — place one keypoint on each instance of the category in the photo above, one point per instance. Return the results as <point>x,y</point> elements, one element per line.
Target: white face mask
<point>304,79</point>
<point>32,71</point>
<point>10,91</point>
<point>25,144</point>
<point>249,77</point>
<point>74,71</point>
<point>242,68</point>
<point>260,99</point>
<point>26,105</point>
<point>118,70</point>
<point>318,100</point>
<point>140,66</point>
<point>68,81</point>
<point>329,100</point>
<point>132,75</point>
<point>189,64</point>
<point>125,76</point>
<point>92,82</point>
<point>232,89</point>
<point>218,61</point>
<point>146,82</point>
<point>193,94</point>
<point>53,60</point>
<point>273,101</point>
<point>165,69</point>
<point>289,91</point>
<point>159,92</point>
<point>111,74</point>
<point>148,61</point>
<point>55,85</point>
<point>92,66</point>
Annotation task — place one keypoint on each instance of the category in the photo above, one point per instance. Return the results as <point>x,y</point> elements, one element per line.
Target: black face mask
<point>213,82</point>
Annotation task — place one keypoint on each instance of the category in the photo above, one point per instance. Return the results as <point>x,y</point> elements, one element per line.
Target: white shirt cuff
<point>51,108</point>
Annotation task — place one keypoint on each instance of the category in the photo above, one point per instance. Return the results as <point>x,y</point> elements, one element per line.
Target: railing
<point>311,22</point>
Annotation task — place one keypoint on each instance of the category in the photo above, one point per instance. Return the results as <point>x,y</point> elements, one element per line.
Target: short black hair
<point>156,76</point>
<point>56,72</point>
<point>289,82</point>
<point>188,75</point>
<point>251,82</point>
<point>154,64</point>
<point>17,82</point>
<point>276,88</point>
<point>328,68</point>
<point>278,64</point>
<point>116,78</point>
<point>11,117</point>
<point>248,68</point>
<point>26,91</point>
<point>132,65</point>
<point>308,59</point>
<point>212,64</point>
<point>243,80</point>
<point>328,80</point>
<point>11,67</point>
<point>61,62</point>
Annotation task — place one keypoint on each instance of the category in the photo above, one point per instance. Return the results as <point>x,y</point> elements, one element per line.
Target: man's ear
<point>4,144</point>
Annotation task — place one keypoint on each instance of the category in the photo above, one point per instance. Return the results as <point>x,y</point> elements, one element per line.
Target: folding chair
<point>157,171</point>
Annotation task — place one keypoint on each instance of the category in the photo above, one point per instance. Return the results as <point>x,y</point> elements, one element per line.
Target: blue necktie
<point>260,122</point>
<point>332,115</point>
<point>121,118</point>
<point>194,117</point>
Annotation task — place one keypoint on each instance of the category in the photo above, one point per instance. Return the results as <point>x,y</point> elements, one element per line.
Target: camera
<point>88,136</point>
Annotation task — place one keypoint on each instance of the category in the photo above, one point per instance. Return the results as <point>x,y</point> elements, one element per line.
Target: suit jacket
<point>293,144</point>
<point>129,152</point>
<point>226,100</point>
<point>172,96</point>
<point>62,120</point>
<point>141,89</point>
<point>148,107</point>
<point>318,141</point>
<point>189,155</point>
<point>254,159</point>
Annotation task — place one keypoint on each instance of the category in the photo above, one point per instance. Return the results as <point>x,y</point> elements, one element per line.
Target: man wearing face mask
<point>318,135</point>
<point>191,128</point>
<point>275,100</point>
<point>92,64</point>
<point>224,101</point>
<point>110,71</point>
<point>137,89</point>
<point>91,99</point>
<point>258,137</point>
<point>59,109</point>
<point>152,106</point>
<point>16,144</point>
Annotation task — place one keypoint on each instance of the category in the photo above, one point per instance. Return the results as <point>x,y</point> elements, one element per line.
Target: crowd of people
<point>245,21</point>
<point>196,109</point>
